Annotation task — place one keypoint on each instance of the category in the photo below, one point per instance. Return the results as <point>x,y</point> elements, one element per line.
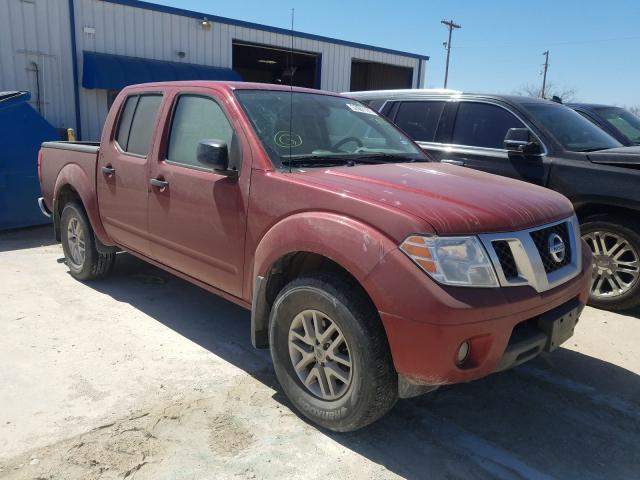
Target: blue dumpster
<point>22,130</point>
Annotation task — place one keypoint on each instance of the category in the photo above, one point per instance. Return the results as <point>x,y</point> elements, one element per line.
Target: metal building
<point>75,55</point>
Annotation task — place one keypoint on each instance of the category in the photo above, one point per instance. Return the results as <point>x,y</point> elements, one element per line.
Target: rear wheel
<point>79,245</point>
<point>330,353</point>
<point>615,244</point>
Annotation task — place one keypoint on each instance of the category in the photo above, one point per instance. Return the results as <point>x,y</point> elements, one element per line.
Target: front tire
<point>330,353</point>
<point>615,243</point>
<point>79,245</point>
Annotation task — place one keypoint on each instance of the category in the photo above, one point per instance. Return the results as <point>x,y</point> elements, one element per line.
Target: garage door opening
<point>379,76</point>
<point>265,64</point>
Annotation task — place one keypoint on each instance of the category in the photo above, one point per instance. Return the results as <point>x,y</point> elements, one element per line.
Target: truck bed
<point>78,159</point>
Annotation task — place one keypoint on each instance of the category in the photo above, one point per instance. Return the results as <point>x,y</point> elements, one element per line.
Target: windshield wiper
<point>315,160</point>
<point>388,157</point>
<point>351,160</point>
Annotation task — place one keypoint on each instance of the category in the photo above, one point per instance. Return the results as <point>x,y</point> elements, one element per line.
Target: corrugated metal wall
<point>126,30</point>
<point>38,31</point>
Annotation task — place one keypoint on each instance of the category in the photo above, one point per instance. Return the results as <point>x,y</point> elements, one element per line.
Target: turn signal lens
<point>420,253</point>
<point>451,260</point>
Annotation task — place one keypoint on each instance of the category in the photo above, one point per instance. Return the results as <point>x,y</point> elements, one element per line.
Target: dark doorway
<point>265,64</point>
<point>379,76</point>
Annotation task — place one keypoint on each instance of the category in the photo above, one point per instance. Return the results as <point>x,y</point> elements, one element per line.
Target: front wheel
<point>330,353</point>
<point>79,245</point>
<point>615,244</point>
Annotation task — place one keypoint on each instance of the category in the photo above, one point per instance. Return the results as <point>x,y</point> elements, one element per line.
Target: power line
<point>450,25</point>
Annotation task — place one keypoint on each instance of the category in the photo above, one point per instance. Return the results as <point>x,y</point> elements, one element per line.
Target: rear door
<point>476,141</point>
<point>122,177</point>
<point>197,221</point>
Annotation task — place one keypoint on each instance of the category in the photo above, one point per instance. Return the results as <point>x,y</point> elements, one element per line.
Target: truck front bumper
<point>427,323</point>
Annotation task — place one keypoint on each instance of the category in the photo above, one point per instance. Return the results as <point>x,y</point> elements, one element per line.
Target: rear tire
<point>323,331</point>
<point>615,243</point>
<point>79,245</point>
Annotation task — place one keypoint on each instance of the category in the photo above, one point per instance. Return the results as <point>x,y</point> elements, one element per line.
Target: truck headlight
<point>460,261</point>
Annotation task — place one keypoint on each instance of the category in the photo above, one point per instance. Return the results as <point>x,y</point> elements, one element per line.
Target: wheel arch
<point>590,209</point>
<point>353,252</point>
<point>72,184</point>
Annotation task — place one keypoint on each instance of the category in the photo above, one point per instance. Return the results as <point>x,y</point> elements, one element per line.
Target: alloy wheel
<point>320,355</point>
<point>76,243</point>
<point>616,264</point>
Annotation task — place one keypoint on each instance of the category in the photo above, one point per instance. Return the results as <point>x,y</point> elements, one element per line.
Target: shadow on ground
<point>24,238</point>
<point>563,416</point>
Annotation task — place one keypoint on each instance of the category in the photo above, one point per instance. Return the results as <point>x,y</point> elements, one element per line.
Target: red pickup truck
<point>370,272</point>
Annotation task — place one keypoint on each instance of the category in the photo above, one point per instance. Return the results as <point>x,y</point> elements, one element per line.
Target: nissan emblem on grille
<point>556,247</point>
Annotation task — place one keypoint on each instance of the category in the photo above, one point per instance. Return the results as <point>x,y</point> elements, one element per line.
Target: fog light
<point>463,353</point>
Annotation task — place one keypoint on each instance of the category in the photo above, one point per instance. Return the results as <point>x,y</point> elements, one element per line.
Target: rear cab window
<point>136,123</point>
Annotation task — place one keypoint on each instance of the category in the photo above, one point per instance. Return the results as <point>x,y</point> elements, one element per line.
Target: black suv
<point>616,121</point>
<point>541,142</point>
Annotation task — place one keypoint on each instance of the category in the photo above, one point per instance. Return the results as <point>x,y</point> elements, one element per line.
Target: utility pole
<point>544,74</point>
<point>450,25</point>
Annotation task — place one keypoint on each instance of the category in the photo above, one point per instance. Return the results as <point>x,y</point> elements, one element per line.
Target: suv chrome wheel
<point>616,265</point>
<point>76,243</point>
<point>320,355</point>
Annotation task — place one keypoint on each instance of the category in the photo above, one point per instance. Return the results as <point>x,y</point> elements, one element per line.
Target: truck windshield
<point>623,121</point>
<point>574,132</point>
<point>325,130</point>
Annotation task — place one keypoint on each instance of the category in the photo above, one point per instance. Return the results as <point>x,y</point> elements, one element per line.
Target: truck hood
<point>621,156</point>
<point>452,199</point>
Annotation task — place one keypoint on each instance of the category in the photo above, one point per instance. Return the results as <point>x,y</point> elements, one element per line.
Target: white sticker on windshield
<point>360,108</point>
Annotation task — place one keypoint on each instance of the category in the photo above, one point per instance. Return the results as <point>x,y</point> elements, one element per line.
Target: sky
<point>594,45</point>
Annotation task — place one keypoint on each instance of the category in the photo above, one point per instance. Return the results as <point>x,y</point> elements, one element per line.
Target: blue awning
<point>114,72</point>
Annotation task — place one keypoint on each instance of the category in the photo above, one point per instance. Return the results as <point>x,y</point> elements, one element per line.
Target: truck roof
<point>232,85</point>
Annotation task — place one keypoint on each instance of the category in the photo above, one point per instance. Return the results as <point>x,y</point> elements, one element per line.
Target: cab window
<point>195,119</point>
<point>136,123</point>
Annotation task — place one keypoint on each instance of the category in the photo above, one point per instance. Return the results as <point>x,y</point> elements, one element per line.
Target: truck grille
<point>541,239</point>
<point>530,257</point>
<point>505,257</point>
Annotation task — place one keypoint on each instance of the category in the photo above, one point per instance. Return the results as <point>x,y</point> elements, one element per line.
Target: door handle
<point>108,170</point>
<point>452,162</point>
<point>156,182</point>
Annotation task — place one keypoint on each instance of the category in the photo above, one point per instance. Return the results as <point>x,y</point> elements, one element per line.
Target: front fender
<point>74,176</point>
<point>355,246</point>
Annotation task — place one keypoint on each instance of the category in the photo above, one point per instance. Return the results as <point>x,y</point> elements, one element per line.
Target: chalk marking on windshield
<point>286,139</point>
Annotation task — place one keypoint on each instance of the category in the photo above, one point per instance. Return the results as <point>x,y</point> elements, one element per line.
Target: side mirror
<point>215,154</point>
<point>520,140</point>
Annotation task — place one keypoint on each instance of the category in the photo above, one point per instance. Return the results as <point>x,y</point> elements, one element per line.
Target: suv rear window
<point>419,120</point>
<point>483,125</point>
<point>136,123</point>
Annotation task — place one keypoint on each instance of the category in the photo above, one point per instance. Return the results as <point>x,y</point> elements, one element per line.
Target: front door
<point>123,178</point>
<point>197,217</point>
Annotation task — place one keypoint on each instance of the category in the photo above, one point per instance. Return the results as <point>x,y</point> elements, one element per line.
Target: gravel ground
<point>143,375</point>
